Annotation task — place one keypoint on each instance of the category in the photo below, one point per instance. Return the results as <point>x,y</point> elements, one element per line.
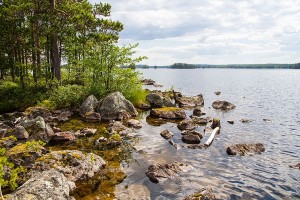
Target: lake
<point>258,94</point>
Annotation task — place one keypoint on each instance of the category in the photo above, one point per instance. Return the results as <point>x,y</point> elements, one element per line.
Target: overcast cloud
<point>212,32</point>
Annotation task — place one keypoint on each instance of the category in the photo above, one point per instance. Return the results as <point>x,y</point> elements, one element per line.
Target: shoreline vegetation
<point>233,66</point>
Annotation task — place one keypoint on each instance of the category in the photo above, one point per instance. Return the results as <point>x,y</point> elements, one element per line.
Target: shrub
<point>69,96</point>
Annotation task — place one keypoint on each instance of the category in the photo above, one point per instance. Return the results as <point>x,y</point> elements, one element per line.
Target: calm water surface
<point>258,94</point>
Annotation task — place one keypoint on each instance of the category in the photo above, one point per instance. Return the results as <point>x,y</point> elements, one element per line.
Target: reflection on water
<point>258,94</point>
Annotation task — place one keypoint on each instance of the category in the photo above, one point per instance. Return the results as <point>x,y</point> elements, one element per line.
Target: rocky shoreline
<point>75,146</point>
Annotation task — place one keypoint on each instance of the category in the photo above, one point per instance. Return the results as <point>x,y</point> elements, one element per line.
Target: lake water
<point>258,94</point>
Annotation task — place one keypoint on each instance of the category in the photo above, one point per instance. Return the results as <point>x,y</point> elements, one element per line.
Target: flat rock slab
<point>245,149</point>
<point>160,172</point>
<point>168,113</point>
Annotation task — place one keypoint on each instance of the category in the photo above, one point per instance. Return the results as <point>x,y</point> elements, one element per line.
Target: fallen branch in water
<point>212,136</point>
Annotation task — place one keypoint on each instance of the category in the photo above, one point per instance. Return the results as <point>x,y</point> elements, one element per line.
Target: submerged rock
<point>223,105</point>
<point>168,113</point>
<point>166,134</point>
<point>217,93</point>
<point>160,172</point>
<point>46,185</point>
<point>186,124</point>
<point>74,164</point>
<point>177,146</point>
<point>191,139</point>
<point>87,109</point>
<point>245,149</point>
<point>134,192</point>
<point>296,166</point>
<point>116,107</point>
<point>203,194</point>
<point>158,101</point>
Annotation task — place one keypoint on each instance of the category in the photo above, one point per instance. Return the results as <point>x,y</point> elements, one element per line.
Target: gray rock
<point>64,116</point>
<point>87,109</point>
<point>186,101</point>
<point>223,105</point>
<point>134,123</point>
<point>133,192</point>
<point>116,107</point>
<point>45,185</point>
<point>148,82</point>
<point>158,101</point>
<point>245,149</point>
<point>192,132</point>
<point>166,134</point>
<point>34,112</point>
<point>191,139</point>
<point>20,132</point>
<point>118,127</point>
<point>199,111</point>
<point>186,124</point>
<point>168,113</point>
<point>160,172</point>
<point>74,164</point>
<point>38,129</point>
<point>86,132</point>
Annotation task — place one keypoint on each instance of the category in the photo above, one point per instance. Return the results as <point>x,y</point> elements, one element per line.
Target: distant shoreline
<point>231,66</point>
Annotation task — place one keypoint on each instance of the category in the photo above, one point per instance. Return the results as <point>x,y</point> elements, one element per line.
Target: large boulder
<point>168,113</point>
<point>160,172</point>
<point>74,164</point>
<point>38,129</point>
<point>87,109</point>
<point>223,105</point>
<point>45,185</point>
<point>116,107</point>
<point>245,149</point>
<point>158,101</point>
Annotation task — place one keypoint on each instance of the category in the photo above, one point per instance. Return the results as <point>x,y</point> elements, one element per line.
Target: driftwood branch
<point>212,136</point>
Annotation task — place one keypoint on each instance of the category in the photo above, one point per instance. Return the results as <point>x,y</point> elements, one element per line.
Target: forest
<point>55,53</point>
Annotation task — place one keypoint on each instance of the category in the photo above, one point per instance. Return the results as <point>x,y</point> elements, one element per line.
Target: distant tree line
<point>237,66</point>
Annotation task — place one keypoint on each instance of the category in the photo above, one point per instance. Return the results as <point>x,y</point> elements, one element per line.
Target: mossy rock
<point>168,113</point>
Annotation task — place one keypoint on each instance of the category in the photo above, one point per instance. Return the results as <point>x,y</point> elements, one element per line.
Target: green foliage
<point>47,104</point>
<point>69,96</point>
<point>6,166</point>
<point>34,145</point>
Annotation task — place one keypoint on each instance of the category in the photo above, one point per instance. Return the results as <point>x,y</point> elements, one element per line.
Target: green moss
<point>165,109</point>
<point>25,148</point>
<point>115,137</point>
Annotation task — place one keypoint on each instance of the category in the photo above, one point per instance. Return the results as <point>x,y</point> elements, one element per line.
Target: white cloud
<point>216,32</point>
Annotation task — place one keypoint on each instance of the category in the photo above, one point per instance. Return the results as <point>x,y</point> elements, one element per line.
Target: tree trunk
<point>55,57</point>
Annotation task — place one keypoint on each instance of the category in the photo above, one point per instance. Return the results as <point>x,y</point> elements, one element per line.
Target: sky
<point>211,31</point>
